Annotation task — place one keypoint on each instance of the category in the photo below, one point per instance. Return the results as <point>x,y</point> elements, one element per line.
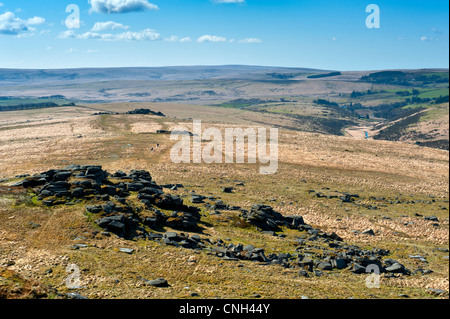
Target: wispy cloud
<point>109,25</point>
<point>250,40</point>
<point>428,39</point>
<point>121,6</point>
<point>144,35</point>
<point>173,38</point>
<point>12,25</point>
<point>211,38</point>
<point>434,34</point>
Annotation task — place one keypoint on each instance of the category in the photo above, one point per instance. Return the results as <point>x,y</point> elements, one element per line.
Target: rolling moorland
<point>87,181</point>
<point>403,105</point>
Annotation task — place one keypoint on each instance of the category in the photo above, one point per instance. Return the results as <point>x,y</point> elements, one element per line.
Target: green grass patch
<point>431,94</point>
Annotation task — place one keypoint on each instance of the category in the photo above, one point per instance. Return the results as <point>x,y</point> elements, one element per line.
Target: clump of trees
<point>326,75</point>
<point>325,103</point>
<point>442,99</point>
<point>20,107</point>
<point>405,78</point>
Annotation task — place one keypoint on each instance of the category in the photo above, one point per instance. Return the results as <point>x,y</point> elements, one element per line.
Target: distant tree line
<point>407,92</point>
<point>318,76</point>
<point>356,94</point>
<point>51,97</point>
<point>404,78</point>
<point>284,76</point>
<point>325,102</point>
<point>442,99</point>
<point>30,106</point>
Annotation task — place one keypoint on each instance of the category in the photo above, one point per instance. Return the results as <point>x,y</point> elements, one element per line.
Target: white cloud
<point>12,25</point>
<point>211,38</point>
<point>121,6</point>
<point>147,34</point>
<point>67,34</point>
<point>428,39</point>
<point>35,21</point>
<point>173,38</point>
<point>71,50</point>
<point>251,40</point>
<point>109,25</point>
<point>1,4</point>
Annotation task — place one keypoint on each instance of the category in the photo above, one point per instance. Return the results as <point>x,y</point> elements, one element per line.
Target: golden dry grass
<point>307,161</point>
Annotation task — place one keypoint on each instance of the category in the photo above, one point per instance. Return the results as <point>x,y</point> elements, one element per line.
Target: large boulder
<point>114,224</point>
<point>264,217</point>
<point>183,221</point>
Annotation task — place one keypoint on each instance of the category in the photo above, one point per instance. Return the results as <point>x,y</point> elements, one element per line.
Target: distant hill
<point>176,73</point>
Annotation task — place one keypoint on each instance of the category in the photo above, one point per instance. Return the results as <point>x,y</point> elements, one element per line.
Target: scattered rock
<point>74,295</point>
<point>160,283</point>
<point>421,258</point>
<point>126,250</point>
<point>325,266</point>
<point>368,232</point>
<point>432,218</point>
<point>34,225</point>
<point>265,218</point>
<point>358,269</point>
<point>107,202</point>
<point>396,268</point>
<point>227,189</point>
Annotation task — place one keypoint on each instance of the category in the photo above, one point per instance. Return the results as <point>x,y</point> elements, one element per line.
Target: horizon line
<point>220,65</point>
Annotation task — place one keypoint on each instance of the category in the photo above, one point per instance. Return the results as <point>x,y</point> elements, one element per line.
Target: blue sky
<point>326,34</point>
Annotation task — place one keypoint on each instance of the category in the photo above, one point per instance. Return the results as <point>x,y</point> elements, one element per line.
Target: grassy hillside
<point>397,188</point>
